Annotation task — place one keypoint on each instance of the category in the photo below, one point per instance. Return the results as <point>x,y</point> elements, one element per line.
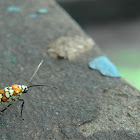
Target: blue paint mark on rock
<point>13,9</point>
<point>104,66</point>
<point>95,87</point>
<point>42,11</point>
<point>43,102</point>
<point>10,25</point>
<point>9,56</point>
<point>33,15</point>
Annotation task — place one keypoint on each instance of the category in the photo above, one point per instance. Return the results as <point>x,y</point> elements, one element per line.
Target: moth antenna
<point>35,72</point>
<point>42,85</point>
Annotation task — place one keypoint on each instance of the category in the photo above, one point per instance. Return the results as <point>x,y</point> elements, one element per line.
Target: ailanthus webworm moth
<point>12,93</point>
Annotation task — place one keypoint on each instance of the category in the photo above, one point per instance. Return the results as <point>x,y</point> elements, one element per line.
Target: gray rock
<point>85,105</point>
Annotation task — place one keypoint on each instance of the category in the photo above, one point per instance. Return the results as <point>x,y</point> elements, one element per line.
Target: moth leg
<point>6,107</point>
<point>21,107</point>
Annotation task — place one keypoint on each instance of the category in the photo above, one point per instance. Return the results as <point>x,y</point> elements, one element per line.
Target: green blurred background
<point>115,26</point>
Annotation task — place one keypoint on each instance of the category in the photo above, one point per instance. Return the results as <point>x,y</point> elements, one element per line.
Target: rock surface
<point>85,105</point>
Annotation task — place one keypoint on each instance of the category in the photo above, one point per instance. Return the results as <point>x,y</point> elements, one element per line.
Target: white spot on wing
<point>11,92</point>
<point>7,94</point>
<point>0,96</point>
